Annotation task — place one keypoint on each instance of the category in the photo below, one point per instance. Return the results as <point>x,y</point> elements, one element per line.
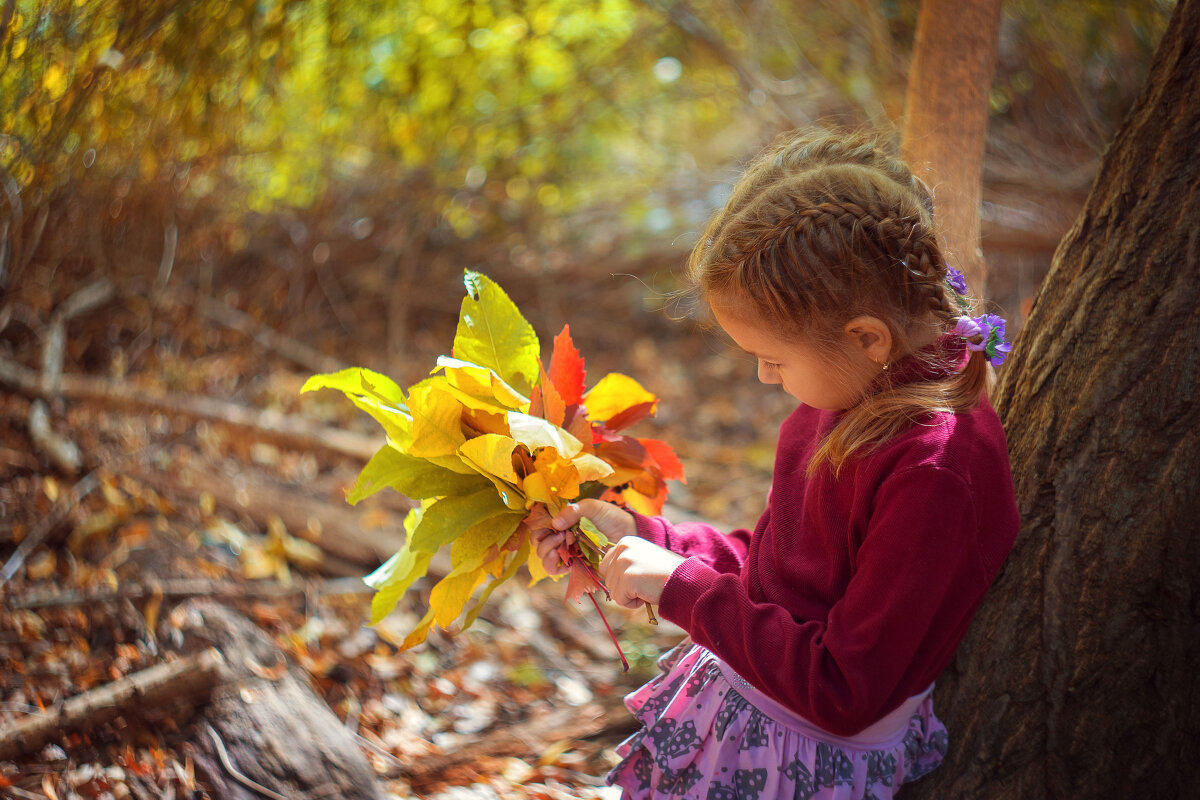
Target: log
<point>269,425</point>
<point>274,733</point>
<point>187,679</point>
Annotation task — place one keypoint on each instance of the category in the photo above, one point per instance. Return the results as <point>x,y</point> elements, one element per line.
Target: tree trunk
<point>1078,677</point>
<point>946,117</point>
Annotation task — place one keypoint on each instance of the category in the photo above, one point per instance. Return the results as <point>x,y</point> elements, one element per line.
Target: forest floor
<point>203,474</point>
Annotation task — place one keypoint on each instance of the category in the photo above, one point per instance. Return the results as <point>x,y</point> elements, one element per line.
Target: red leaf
<point>582,579</point>
<point>577,425</point>
<point>538,518</point>
<point>666,459</point>
<point>553,410</point>
<point>566,368</point>
<point>623,452</point>
<point>630,416</point>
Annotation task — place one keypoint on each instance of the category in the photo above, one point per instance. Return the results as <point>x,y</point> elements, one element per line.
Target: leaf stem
<point>611,635</point>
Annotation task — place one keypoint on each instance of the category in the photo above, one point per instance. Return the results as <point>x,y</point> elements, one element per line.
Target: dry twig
<point>187,678</point>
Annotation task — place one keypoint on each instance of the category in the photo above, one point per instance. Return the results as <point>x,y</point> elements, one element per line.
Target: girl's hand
<point>612,521</point>
<point>635,571</point>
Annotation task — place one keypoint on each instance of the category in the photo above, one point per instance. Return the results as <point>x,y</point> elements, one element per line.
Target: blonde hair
<point>825,227</point>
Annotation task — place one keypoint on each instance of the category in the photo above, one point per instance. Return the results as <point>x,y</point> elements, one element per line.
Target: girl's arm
<point>723,552</point>
<point>919,575</point>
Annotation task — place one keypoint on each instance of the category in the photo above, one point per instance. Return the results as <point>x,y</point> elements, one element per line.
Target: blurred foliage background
<point>331,166</point>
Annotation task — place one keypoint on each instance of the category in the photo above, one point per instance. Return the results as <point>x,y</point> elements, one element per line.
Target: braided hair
<point>823,228</point>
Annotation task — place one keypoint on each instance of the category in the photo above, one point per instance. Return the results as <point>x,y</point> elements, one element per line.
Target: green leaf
<point>411,476</point>
<point>394,578</point>
<point>589,529</point>
<point>445,519</point>
<point>493,334</point>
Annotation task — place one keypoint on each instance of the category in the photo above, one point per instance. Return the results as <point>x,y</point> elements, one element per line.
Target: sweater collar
<point>940,359</point>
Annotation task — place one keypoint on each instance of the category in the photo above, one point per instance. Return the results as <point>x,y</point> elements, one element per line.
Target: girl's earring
<point>885,366</point>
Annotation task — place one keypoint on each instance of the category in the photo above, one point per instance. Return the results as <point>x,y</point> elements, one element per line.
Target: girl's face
<point>807,375</point>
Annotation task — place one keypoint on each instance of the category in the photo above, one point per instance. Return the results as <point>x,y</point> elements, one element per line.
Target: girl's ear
<point>872,337</point>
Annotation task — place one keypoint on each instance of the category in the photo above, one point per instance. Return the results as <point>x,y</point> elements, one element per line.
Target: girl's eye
<point>769,364</point>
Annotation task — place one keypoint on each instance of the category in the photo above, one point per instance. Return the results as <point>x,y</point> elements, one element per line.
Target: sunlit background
<point>329,168</point>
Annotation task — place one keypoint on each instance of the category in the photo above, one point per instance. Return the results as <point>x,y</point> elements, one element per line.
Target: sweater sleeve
<point>723,552</point>
<point>916,582</point>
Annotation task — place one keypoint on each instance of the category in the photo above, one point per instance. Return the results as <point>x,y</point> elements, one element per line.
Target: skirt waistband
<point>883,734</point>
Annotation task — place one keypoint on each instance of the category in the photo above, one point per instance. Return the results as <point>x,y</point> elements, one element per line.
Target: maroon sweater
<point>851,595</point>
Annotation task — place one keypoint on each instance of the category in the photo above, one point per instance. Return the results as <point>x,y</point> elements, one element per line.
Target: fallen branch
<point>63,452</point>
<point>344,532</point>
<point>189,678</point>
<point>47,523</point>
<point>288,430</point>
<point>269,338</point>
<point>189,587</point>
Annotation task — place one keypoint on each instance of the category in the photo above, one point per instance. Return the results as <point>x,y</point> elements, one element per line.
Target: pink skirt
<point>708,734</point>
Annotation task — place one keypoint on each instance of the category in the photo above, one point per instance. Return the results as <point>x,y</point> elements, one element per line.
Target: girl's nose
<point>768,373</point>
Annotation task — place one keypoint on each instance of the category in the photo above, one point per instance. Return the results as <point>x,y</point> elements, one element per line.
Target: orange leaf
<point>582,580</point>
<point>566,368</point>
<point>630,415</point>
<point>554,409</point>
<point>666,459</point>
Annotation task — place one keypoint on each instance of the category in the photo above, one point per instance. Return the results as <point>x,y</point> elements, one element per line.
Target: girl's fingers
<point>548,544</point>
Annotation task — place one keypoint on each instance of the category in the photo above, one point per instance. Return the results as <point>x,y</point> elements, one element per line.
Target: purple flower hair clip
<point>990,330</point>
<point>956,280</point>
<point>957,283</point>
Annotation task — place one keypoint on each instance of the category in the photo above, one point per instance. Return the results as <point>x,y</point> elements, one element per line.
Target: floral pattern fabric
<point>703,737</point>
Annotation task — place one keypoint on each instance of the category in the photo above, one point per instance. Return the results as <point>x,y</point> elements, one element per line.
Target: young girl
<point>816,638</point>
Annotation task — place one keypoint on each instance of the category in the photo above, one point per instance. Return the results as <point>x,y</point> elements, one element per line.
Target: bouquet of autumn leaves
<point>493,444</point>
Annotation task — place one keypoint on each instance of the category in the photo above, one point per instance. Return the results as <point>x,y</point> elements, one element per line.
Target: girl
<point>816,638</point>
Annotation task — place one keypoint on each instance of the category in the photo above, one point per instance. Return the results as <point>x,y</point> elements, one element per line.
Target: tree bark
<point>1078,677</point>
<point>946,117</point>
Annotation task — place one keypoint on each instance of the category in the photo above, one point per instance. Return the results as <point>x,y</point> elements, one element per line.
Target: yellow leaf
<point>447,598</point>
<point>537,570</point>
<point>437,422</point>
<point>559,475</point>
<point>485,421</point>
<point>492,453</point>
<point>418,633</point>
<point>535,432</point>
<point>640,503</point>
<point>396,422</point>
<point>473,546</point>
<point>481,382</point>
<point>591,468</point>
<point>613,394</point>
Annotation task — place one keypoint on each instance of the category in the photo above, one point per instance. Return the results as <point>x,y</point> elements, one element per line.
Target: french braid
<point>823,228</point>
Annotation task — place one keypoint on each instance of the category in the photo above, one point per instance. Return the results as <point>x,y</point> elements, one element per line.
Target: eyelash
<point>769,364</point>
